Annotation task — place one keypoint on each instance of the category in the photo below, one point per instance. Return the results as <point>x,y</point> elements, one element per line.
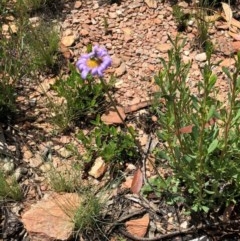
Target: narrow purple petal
<point>84,73</point>
<point>107,61</point>
<point>100,72</point>
<point>89,55</point>
<point>83,66</point>
<point>99,52</point>
<point>94,71</point>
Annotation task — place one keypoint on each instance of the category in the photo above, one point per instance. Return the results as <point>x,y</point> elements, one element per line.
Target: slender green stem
<point>120,116</point>
<point>230,113</point>
<point>140,149</point>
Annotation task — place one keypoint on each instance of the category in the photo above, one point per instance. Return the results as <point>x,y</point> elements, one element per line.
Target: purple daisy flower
<point>94,62</point>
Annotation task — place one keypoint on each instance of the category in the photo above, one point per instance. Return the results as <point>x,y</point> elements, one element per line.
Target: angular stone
<point>68,40</point>
<point>112,117</point>
<point>77,4</point>
<point>8,167</point>
<point>116,62</point>
<point>227,62</point>
<point>112,15</point>
<point>84,32</point>
<point>13,28</point>
<point>201,57</point>
<point>128,34</point>
<point>35,161</point>
<point>121,70</point>
<point>99,168</point>
<point>138,227</point>
<point>64,152</point>
<point>164,47</point>
<point>51,218</point>
<point>151,3</point>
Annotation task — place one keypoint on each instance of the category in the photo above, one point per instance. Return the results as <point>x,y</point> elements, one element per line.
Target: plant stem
<point>123,122</point>
<point>230,113</point>
<point>140,149</point>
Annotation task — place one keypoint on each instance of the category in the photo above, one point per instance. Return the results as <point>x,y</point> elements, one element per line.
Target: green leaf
<point>236,117</point>
<point>205,209</point>
<point>226,71</point>
<point>209,192</point>
<point>212,81</point>
<point>163,155</point>
<point>211,112</point>
<point>195,208</point>
<point>187,158</point>
<point>89,48</point>
<point>98,141</point>
<point>212,146</point>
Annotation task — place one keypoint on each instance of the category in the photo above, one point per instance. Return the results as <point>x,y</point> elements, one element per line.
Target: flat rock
<point>121,70</point>
<point>236,46</point>
<point>35,161</point>
<point>8,167</point>
<point>68,40</point>
<point>201,57</point>
<point>84,32</point>
<point>112,117</point>
<point>227,62</point>
<point>98,169</point>
<point>151,3</point>
<point>64,152</point>
<point>77,4</point>
<point>163,47</point>
<point>128,34</point>
<point>116,62</point>
<point>138,227</point>
<point>51,218</point>
<point>112,15</point>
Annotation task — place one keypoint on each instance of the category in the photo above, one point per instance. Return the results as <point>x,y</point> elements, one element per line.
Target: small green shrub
<point>9,188</point>
<point>112,144</point>
<point>203,156</point>
<point>22,53</point>
<point>84,99</point>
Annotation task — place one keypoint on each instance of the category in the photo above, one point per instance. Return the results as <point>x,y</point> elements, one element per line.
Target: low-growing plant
<point>200,135</point>
<point>9,188</point>
<point>65,180</point>
<point>3,8</point>
<point>40,6</point>
<point>181,18</point>
<point>202,9</point>
<point>24,49</point>
<point>83,99</point>
<point>112,144</point>
<point>42,44</point>
<point>12,69</point>
<point>7,101</point>
<point>33,5</point>
<point>87,215</point>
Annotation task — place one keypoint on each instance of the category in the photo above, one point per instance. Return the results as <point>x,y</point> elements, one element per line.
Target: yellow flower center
<point>93,62</point>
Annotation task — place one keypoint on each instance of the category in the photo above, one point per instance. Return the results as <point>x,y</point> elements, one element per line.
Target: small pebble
<point>201,57</point>
<point>8,167</point>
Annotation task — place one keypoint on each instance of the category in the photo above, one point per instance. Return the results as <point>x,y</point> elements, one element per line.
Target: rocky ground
<point>135,33</point>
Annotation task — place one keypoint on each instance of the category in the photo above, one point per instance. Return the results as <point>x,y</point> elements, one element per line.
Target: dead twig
<point>180,232</point>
